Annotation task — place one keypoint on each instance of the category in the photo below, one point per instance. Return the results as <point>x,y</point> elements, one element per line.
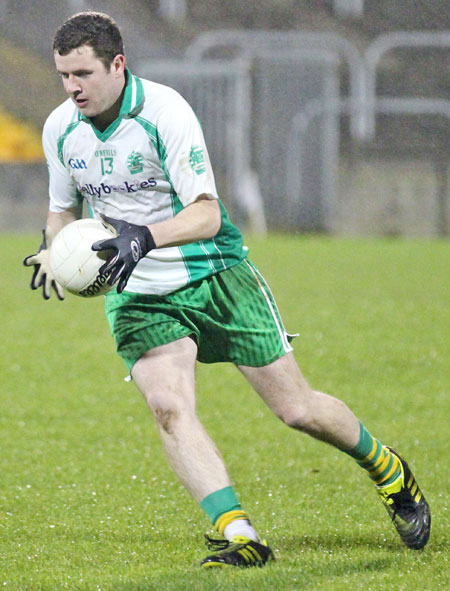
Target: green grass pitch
<point>87,501</point>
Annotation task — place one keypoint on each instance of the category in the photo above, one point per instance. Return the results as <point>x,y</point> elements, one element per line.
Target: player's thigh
<point>166,375</point>
<point>281,385</point>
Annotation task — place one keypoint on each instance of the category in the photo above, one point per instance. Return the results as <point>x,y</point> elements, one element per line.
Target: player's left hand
<point>130,245</point>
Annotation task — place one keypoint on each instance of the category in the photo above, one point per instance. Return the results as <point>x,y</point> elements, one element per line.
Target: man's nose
<point>72,84</point>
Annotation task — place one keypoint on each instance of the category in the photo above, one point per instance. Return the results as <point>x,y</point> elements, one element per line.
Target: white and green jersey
<point>144,168</point>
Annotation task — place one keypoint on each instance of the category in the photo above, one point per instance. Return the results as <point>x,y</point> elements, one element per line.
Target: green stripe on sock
<point>364,446</point>
<point>371,463</point>
<point>219,502</point>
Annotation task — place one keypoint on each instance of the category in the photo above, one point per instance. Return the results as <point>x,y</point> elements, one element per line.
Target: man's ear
<point>118,65</point>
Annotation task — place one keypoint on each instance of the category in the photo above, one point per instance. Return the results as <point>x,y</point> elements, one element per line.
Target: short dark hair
<point>95,29</point>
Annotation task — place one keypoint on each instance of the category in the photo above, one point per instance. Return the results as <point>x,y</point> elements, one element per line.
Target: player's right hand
<point>42,274</point>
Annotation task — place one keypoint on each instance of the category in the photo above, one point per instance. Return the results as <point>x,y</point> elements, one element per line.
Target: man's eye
<point>65,76</point>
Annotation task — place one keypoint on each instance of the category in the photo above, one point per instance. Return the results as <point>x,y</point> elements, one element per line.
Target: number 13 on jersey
<point>107,165</point>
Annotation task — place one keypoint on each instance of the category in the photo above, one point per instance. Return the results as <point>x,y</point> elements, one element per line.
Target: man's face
<point>93,88</point>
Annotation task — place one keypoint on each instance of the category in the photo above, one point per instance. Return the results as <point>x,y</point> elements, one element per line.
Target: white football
<point>75,266</point>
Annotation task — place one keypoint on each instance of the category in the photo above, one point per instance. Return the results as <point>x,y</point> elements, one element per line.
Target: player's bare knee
<point>166,418</point>
<point>164,412</point>
<point>298,419</point>
<point>169,412</point>
<point>298,409</point>
<point>299,415</point>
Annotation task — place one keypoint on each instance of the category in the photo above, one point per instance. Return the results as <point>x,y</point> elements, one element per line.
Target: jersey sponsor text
<point>125,187</point>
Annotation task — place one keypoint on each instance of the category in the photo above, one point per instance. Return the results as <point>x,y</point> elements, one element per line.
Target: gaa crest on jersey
<point>197,160</point>
<point>77,163</point>
<point>135,162</point>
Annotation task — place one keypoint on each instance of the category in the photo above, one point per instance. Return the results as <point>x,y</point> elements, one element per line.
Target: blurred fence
<point>297,107</point>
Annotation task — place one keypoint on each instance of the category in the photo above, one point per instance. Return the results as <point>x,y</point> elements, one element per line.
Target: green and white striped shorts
<point>232,316</point>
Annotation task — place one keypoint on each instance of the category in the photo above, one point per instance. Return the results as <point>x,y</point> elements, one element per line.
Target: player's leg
<point>153,336</point>
<point>284,389</point>
<point>165,376</point>
<point>261,349</point>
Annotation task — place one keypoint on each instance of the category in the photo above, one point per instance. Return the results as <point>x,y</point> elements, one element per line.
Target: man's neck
<point>104,120</point>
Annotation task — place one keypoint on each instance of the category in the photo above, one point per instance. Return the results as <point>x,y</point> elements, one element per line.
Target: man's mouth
<point>81,102</point>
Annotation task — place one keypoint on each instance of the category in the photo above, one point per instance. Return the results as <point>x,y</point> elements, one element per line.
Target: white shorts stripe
<point>264,287</point>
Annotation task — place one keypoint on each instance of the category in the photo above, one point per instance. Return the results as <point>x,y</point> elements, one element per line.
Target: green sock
<point>219,502</point>
<point>382,466</point>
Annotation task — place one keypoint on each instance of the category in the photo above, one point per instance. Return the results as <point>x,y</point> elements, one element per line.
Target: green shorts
<point>232,316</point>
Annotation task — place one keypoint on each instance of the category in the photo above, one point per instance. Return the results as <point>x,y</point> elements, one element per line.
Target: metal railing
<point>316,108</point>
<point>361,105</point>
<point>250,43</point>
<point>373,56</point>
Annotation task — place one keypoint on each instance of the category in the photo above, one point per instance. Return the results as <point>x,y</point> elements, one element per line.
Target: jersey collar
<point>133,99</point>
<point>132,104</point>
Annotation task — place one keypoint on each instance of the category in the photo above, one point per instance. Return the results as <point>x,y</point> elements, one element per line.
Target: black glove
<point>130,245</point>
<point>42,275</point>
